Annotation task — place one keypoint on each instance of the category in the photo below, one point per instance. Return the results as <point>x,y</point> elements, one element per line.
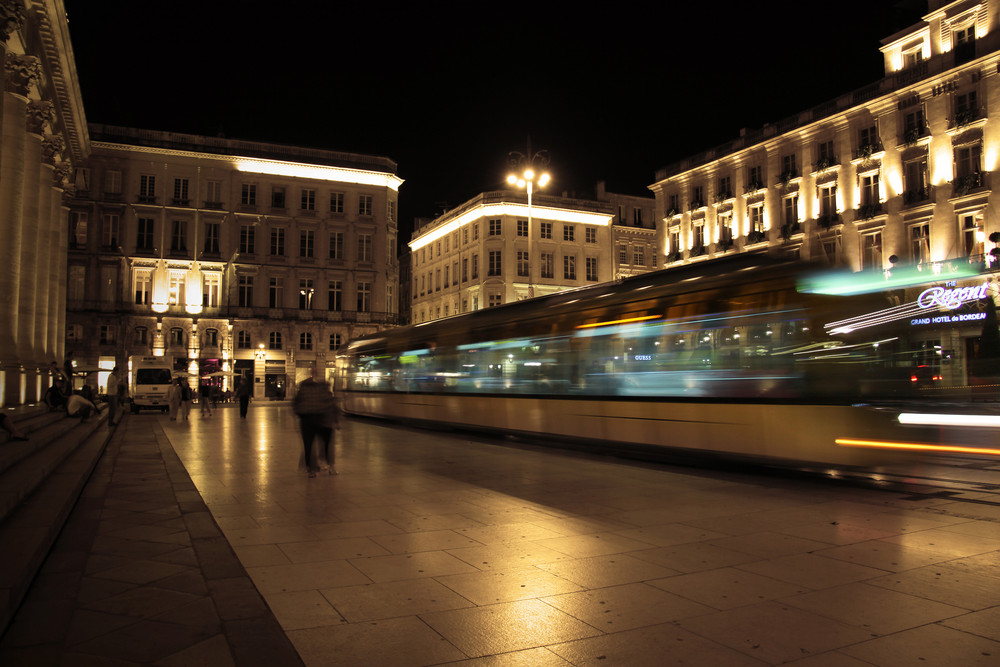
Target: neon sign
<point>951,298</point>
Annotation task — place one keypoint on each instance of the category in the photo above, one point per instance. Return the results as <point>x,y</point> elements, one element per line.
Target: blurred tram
<point>745,357</point>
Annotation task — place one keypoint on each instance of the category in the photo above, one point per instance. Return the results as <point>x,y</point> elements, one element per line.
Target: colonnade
<point>33,231</point>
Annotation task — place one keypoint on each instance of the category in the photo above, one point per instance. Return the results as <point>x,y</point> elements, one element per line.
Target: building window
<point>545,230</point>
<point>247,234</point>
<point>548,265</point>
<point>211,290</point>
<point>446,275</point>
<point>112,182</point>
<point>147,189</point>
<point>755,180</point>
<point>276,287</point>
<point>725,189</point>
<point>920,243</point>
<point>967,160</point>
<point>306,294</point>
<point>590,234</point>
<point>674,207</point>
<point>496,227</point>
<point>622,254</point>
<point>364,204</point>
<point>756,217</point>
<point>274,340</point>
<point>569,233</point>
<point>698,239</point>
<point>390,210</point>
<point>305,341</point>
<point>914,126</point>
<point>278,241</point>
<point>725,222</point>
<point>249,195</point>
<point>639,253</point>
<point>828,203</point>
<point>308,200</point>
<point>789,168</point>
<point>364,296</point>
<point>871,251</point>
<point>870,204</point>
<point>144,235</point>
<point>831,249</point>
<point>212,238</point>
<point>306,242</point>
<point>522,227</point>
<point>972,235</point>
<point>454,273</point>
<point>915,173</point>
<point>142,335</point>
<point>181,191</point>
<point>243,341</point>
<point>637,216</point>
<point>495,300</point>
<point>178,236</point>
<point>465,235</point>
<point>475,231</point>
<point>277,197</point>
<point>176,337</point>
<point>108,334</point>
<point>244,291</point>
<point>522,262</point>
<point>569,267</point>
<point>335,292</point>
<point>826,157</point>
<point>465,269</point>
<point>494,268</point>
<point>211,338</point>
<point>143,282</point>
<point>475,267</point>
<point>213,194</point>
<point>336,245</point>
<point>674,245</point>
<point>698,196</point>
<point>176,288</point>
<point>336,202</point>
<point>334,341</point>
<point>790,204</point>
<point>592,268</point>
<point>437,280</point>
<point>364,247</point>
<point>77,281</point>
<point>109,230</point>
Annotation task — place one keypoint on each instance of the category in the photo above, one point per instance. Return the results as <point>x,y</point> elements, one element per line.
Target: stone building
<point>43,134</point>
<point>897,175</point>
<point>229,257</point>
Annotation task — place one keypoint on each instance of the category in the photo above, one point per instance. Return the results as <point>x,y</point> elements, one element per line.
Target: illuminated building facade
<point>633,232</point>
<point>226,256</point>
<point>897,175</point>
<point>490,251</point>
<point>44,134</point>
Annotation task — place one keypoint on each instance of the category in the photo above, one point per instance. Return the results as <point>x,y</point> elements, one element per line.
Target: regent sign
<point>951,298</point>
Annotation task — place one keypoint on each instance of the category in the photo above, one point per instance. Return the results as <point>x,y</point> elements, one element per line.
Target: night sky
<point>447,89</point>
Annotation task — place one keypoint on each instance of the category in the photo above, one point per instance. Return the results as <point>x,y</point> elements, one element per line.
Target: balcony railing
<point>917,196</point>
<point>869,211</point>
<point>963,185</point>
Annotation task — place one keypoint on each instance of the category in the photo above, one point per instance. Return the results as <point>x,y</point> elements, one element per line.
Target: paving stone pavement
<point>141,574</point>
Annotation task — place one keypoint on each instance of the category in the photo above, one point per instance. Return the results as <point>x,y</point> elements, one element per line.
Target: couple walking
<point>318,416</point>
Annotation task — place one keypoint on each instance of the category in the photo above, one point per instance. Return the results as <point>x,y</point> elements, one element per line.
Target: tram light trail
<point>916,447</point>
<point>931,419</point>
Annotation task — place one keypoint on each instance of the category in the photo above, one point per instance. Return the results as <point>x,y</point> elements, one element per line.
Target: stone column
<point>57,296</point>
<point>21,73</point>
<point>26,342</point>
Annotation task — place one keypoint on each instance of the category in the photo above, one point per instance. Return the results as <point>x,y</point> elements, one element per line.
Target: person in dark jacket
<point>244,392</point>
<point>317,413</point>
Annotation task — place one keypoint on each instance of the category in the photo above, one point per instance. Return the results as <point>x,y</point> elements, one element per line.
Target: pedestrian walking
<point>174,398</point>
<point>317,413</point>
<point>117,396</point>
<point>185,399</point>
<point>244,392</point>
<point>204,398</point>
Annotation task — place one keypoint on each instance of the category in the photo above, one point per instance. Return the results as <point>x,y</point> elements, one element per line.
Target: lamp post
<point>524,174</point>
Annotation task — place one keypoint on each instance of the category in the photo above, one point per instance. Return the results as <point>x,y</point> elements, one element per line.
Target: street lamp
<point>524,174</point>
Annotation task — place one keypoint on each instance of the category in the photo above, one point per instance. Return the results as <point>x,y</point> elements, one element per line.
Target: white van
<point>149,379</point>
